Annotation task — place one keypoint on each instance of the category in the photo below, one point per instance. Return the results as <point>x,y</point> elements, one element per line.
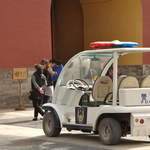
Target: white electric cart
<point>87,99</point>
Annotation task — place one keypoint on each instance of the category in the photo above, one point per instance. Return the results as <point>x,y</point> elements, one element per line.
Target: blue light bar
<point>125,44</point>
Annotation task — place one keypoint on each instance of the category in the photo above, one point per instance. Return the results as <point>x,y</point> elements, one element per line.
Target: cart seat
<point>145,82</point>
<point>102,86</point>
<point>129,82</point>
<point>120,78</point>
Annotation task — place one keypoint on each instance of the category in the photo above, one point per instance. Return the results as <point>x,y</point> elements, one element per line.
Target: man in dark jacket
<point>38,81</point>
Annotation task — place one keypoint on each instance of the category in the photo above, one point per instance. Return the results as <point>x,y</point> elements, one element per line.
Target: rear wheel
<point>51,125</point>
<point>109,131</point>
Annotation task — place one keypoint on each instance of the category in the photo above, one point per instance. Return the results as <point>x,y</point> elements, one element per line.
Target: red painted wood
<point>25,32</point>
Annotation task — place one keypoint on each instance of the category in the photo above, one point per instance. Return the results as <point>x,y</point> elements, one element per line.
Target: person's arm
<point>36,85</point>
<point>34,82</point>
<point>51,71</point>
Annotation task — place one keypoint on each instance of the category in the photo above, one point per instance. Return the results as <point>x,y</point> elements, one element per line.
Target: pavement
<point>19,132</point>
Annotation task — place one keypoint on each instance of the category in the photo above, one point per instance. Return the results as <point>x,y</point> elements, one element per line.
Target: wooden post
<point>20,102</point>
<point>20,74</point>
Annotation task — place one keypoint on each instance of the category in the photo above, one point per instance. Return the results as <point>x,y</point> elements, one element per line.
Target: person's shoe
<point>34,119</point>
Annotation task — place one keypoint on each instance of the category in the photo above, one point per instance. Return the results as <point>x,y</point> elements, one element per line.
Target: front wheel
<point>109,131</point>
<point>51,125</point>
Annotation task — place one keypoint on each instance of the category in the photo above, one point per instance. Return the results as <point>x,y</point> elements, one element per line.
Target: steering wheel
<point>80,85</point>
<point>69,83</point>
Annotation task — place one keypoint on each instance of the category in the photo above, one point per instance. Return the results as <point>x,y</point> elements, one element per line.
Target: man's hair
<point>38,67</point>
<point>54,61</point>
<point>44,62</point>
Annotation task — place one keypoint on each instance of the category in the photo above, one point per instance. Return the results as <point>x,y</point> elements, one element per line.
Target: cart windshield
<point>92,65</point>
<point>86,67</point>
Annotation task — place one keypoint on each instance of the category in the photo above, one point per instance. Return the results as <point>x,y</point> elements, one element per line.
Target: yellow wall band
<point>107,20</point>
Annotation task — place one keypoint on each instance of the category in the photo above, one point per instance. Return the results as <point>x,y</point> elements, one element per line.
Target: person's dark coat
<point>38,80</point>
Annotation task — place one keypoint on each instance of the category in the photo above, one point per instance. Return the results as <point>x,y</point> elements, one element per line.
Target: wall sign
<point>20,73</point>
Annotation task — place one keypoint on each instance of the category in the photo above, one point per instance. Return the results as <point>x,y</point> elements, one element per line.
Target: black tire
<point>51,125</point>
<point>109,131</point>
<point>95,132</point>
<point>86,131</point>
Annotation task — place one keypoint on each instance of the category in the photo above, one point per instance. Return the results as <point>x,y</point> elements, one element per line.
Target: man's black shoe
<point>34,119</point>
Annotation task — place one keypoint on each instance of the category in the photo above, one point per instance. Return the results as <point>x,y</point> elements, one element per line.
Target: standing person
<point>38,81</point>
<point>48,88</point>
<point>56,67</point>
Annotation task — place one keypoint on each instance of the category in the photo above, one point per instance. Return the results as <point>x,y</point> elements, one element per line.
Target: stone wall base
<point>137,70</point>
<point>9,90</point>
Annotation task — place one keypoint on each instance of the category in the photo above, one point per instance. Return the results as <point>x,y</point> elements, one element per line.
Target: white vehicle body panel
<point>134,101</point>
<point>134,97</point>
<point>67,114</point>
<point>137,128</point>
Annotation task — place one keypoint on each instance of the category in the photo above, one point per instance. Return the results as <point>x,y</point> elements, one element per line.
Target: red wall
<point>146,29</point>
<point>25,32</point>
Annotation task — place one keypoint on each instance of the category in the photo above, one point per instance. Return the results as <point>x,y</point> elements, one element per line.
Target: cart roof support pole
<point>115,76</point>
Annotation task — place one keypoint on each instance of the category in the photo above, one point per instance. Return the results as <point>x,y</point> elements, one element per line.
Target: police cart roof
<point>118,50</point>
<point>109,47</point>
